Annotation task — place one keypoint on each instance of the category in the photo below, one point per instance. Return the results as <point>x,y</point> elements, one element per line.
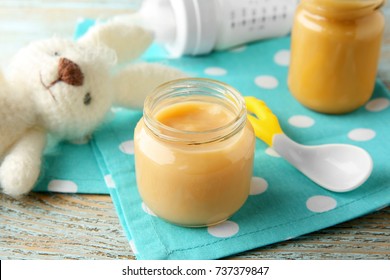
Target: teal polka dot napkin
<point>283,203</point>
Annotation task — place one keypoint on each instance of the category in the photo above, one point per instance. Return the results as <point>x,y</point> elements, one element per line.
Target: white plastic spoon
<point>335,167</point>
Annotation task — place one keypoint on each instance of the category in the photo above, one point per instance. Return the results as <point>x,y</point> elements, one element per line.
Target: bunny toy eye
<point>87,99</point>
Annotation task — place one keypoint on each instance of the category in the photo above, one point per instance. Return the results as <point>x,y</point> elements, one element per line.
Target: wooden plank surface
<point>73,226</point>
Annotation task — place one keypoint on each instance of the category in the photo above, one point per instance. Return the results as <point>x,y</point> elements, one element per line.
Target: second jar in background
<point>335,49</point>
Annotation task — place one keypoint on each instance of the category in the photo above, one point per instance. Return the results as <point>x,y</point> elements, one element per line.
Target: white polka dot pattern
<point>361,134</point>
<point>258,186</point>
<point>127,147</point>
<point>378,104</point>
<point>224,230</point>
<point>109,181</point>
<point>321,203</point>
<point>215,71</point>
<point>282,58</point>
<point>266,82</point>
<point>63,186</point>
<point>301,121</point>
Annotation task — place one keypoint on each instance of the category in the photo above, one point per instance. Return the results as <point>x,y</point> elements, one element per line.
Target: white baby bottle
<point>194,27</point>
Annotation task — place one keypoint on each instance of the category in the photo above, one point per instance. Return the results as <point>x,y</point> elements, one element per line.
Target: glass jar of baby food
<point>194,152</point>
<point>335,48</point>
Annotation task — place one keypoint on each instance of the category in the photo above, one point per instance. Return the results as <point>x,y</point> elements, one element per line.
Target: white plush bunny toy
<point>65,88</point>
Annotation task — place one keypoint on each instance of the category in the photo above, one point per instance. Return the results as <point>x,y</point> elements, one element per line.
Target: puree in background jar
<point>194,152</point>
<point>335,49</point>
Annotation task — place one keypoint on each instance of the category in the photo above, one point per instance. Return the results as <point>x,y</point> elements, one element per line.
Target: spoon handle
<point>264,122</point>
<point>267,128</point>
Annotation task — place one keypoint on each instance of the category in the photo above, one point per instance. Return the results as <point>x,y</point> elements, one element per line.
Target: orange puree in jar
<point>335,48</point>
<point>195,116</point>
<point>194,157</point>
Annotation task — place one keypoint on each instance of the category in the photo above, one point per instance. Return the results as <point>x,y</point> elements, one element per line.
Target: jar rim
<point>344,9</point>
<point>188,86</point>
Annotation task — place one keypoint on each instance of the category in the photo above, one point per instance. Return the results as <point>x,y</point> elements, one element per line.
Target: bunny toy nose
<point>69,72</point>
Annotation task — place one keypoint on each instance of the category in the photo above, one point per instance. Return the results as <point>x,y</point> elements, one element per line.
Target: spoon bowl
<point>335,167</point>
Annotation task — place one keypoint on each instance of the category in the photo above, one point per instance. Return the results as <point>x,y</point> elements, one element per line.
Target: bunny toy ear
<point>128,40</point>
